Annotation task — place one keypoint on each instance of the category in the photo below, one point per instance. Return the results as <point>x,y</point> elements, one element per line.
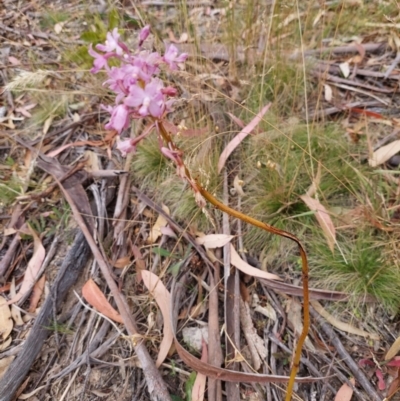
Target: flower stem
<point>266,227</point>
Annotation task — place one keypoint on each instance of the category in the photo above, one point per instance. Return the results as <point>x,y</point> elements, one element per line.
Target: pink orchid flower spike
<point>112,43</point>
<point>172,58</point>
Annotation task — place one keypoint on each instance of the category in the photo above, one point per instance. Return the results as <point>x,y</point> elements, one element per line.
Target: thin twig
<point>311,367</point>
<point>345,356</point>
<point>156,386</point>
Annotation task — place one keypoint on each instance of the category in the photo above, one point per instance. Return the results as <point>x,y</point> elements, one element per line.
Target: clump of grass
<point>365,268</point>
<point>9,190</point>
<point>157,175</point>
<point>51,106</point>
<point>26,80</point>
<point>149,165</point>
<point>52,17</point>
<point>281,83</point>
<point>277,167</point>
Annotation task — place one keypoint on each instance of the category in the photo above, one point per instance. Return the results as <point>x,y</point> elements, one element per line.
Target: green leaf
<point>189,385</point>
<point>161,252</point>
<point>174,269</point>
<point>100,26</point>
<point>9,161</point>
<point>176,398</point>
<point>113,19</point>
<point>79,56</point>
<point>92,37</point>
<point>132,22</point>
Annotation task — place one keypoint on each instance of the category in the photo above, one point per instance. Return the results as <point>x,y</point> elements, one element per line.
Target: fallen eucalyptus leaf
<point>95,297</point>
<point>163,299</point>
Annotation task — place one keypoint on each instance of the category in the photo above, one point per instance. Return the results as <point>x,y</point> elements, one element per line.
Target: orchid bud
<point>144,33</point>
<point>169,91</point>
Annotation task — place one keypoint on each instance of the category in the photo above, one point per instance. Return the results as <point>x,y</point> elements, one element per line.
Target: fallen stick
<point>345,357</point>
<point>155,384</point>
<point>69,272</point>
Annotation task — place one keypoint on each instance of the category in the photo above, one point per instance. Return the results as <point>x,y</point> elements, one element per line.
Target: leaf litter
<point>52,133</point>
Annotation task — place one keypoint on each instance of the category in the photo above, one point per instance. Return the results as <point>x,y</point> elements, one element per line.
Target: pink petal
<point>381,382</point>
<point>144,33</point>
<point>126,147</point>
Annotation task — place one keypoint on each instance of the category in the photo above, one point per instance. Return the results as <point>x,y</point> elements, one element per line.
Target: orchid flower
<point>139,93</point>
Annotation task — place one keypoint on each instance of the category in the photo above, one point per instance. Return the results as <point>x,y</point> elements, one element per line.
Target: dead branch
<point>69,272</point>
<point>345,356</point>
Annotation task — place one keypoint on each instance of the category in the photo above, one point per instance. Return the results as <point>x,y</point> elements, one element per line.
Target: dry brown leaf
<point>345,392</point>
<point>92,161</point>
<point>312,190</point>
<point>9,231</point>
<point>199,385</point>
<point>5,344</point>
<point>13,60</point>
<point>235,119</point>
<point>163,299</point>
<point>268,311</point>
<point>37,292</point>
<point>235,142</point>
<point>155,231</point>
<point>195,311</point>
<point>32,269</point>
<point>384,153</point>
<point>339,324</point>
<point>212,241</point>
<point>345,69</point>
<point>122,262</point>
<point>5,363</point>
<point>47,124</point>
<point>317,18</point>
<point>328,93</point>
<point>361,50</point>
<point>290,18</point>
<point>254,341</point>
<point>168,231</point>
<point>238,185</point>
<point>6,323</point>
<point>244,267</point>
<point>139,262</point>
<point>393,350</point>
<point>94,296</point>
<point>394,387</point>
<point>15,312</point>
<point>323,218</point>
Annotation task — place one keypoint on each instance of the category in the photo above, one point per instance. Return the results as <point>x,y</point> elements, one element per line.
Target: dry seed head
<point>27,79</point>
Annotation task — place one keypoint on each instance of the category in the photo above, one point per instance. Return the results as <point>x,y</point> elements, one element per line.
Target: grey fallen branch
<point>345,356</point>
<point>69,272</point>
